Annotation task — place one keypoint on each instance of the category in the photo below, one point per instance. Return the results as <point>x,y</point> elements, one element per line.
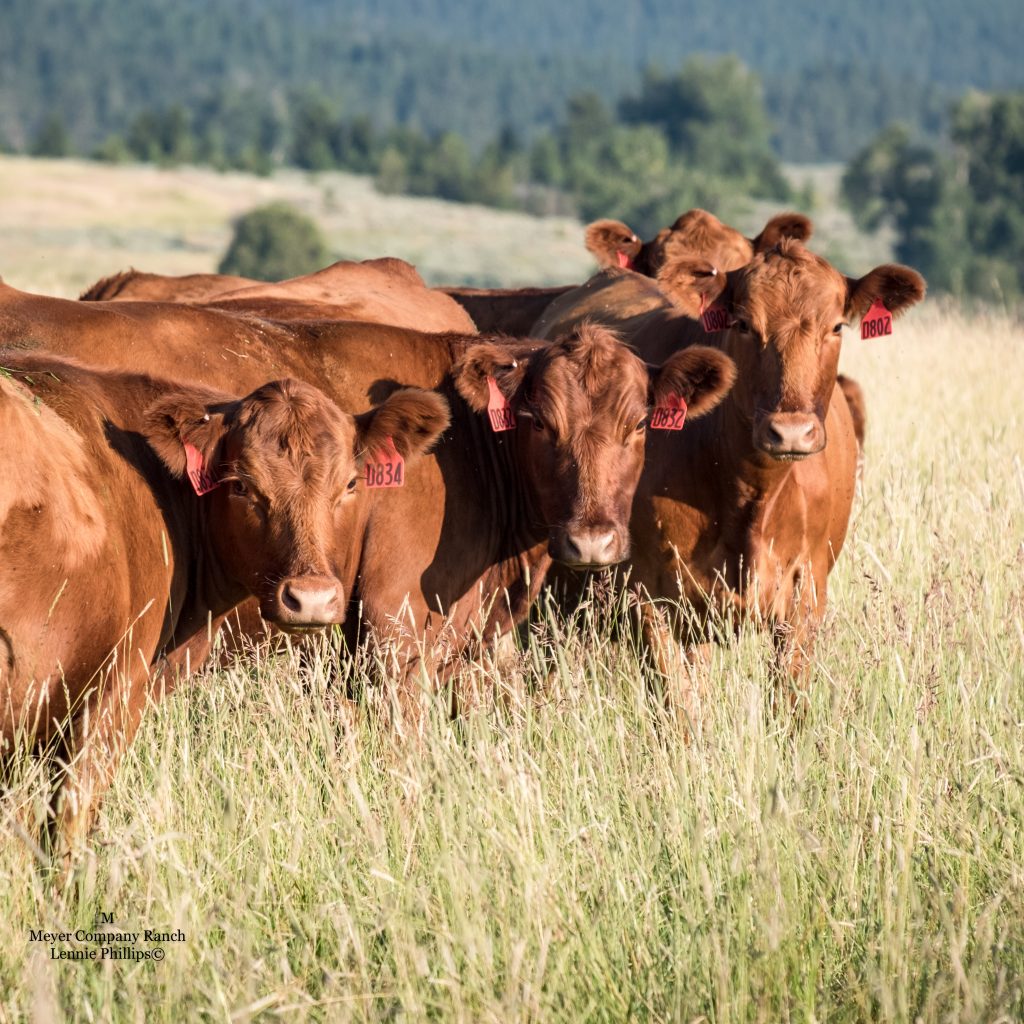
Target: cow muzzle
<point>304,603</point>
<point>588,548</point>
<point>789,436</point>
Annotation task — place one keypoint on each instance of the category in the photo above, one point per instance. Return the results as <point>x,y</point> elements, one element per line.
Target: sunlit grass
<point>563,852</point>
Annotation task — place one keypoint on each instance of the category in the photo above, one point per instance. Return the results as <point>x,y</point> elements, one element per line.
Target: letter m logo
<point>105,918</point>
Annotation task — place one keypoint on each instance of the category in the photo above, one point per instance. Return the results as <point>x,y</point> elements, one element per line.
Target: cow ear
<point>686,280</point>
<point>506,364</point>
<point>190,415</point>
<point>700,375</point>
<point>897,286</point>
<point>612,243</point>
<point>412,417</point>
<point>784,225</point>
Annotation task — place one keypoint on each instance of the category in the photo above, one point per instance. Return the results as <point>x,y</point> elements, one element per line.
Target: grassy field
<point>562,853</point>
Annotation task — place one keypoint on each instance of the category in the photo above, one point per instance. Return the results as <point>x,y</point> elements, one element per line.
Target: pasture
<point>562,853</point>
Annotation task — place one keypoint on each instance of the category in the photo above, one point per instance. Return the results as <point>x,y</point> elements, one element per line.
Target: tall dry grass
<point>561,853</point>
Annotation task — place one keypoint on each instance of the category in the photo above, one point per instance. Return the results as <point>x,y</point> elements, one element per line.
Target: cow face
<point>581,408</point>
<point>287,506</point>
<point>789,307</point>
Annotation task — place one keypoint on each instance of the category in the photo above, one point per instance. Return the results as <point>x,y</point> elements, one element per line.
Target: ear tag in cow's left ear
<point>624,261</point>
<point>201,479</point>
<point>670,415</point>
<point>498,408</point>
<point>713,317</point>
<point>876,322</point>
<point>387,469</point>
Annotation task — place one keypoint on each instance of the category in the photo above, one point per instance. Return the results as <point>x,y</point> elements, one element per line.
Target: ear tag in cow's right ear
<point>201,479</point>
<point>387,469</point>
<point>624,261</point>
<point>713,317</point>
<point>876,322</point>
<point>498,409</point>
<point>670,415</point>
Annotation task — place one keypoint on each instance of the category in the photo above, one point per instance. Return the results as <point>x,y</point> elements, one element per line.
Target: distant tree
<point>713,116</point>
<point>274,242</point>
<point>52,138</point>
<point>959,218</point>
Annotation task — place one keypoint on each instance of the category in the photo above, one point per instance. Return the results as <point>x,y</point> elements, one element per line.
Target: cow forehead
<point>590,382</point>
<point>288,433</point>
<point>790,290</point>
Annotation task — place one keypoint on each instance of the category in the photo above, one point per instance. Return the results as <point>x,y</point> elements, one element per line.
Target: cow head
<point>695,234</point>
<point>288,499</point>
<point>789,307</point>
<point>581,408</point>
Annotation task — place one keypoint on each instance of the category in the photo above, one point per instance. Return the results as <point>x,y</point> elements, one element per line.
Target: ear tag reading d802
<point>876,322</point>
<point>201,479</point>
<point>498,409</point>
<point>714,317</point>
<point>670,415</point>
<point>387,468</point>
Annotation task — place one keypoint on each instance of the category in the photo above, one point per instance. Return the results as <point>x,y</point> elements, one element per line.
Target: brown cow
<point>463,547</point>
<point>695,235</point>
<point>133,510</point>
<point>385,291</point>
<point>746,513</point>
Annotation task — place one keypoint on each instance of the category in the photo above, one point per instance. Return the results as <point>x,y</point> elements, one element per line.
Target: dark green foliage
<point>52,138</point>
<point>959,216</point>
<point>274,242</point>
<point>834,73</point>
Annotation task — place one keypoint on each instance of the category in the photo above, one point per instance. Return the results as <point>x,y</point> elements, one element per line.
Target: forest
<point>606,112</point>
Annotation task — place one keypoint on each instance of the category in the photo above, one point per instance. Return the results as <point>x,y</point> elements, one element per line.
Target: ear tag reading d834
<point>876,322</point>
<point>498,409</point>
<point>201,479</point>
<point>387,469</point>
<point>670,415</point>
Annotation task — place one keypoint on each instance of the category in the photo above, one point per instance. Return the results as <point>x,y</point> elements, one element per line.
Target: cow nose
<point>590,547</point>
<point>308,602</point>
<point>791,435</point>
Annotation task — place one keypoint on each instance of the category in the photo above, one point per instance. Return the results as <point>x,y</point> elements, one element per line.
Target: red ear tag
<point>387,469</point>
<point>202,481</point>
<point>624,261</point>
<point>714,317</point>
<point>876,322</point>
<point>670,415</point>
<point>498,409</point>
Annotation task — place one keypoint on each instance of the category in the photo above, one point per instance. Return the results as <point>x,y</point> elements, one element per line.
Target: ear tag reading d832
<point>670,415</point>
<point>201,479</point>
<point>498,408</point>
<point>876,322</point>
<point>387,468</point>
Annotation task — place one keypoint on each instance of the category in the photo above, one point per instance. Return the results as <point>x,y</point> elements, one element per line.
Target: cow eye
<point>239,489</point>
<point>641,426</point>
<point>351,485</point>
<point>538,423</point>
<point>742,325</point>
<point>838,328</point>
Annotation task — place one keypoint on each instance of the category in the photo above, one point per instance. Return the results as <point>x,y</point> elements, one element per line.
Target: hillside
<point>66,223</point>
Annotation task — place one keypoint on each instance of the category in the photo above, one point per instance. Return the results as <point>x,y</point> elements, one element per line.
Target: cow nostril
<point>290,599</point>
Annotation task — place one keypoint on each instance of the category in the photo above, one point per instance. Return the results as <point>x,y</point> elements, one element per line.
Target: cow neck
<point>751,479</point>
<point>209,590</point>
<point>509,511</point>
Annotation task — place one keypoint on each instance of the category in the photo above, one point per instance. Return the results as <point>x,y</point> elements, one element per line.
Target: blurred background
<point>472,139</point>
